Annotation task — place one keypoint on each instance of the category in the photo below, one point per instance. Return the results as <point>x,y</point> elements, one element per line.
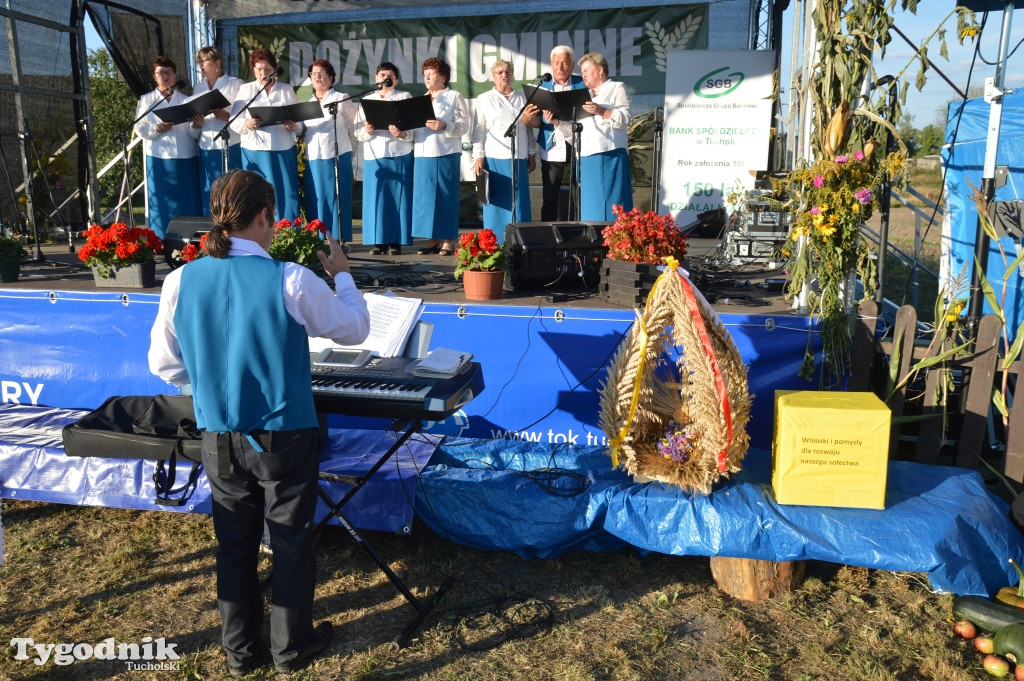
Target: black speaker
<point>184,229</point>
<point>546,254</point>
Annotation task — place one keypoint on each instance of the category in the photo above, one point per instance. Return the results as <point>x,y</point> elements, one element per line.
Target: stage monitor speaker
<point>548,254</point>
<point>184,229</point>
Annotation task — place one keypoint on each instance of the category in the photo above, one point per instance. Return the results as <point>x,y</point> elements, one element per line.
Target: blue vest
<point>544,133</point>
<point>247,358</point>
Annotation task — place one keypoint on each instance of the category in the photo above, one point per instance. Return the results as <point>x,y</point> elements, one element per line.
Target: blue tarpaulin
<point>937,520</point>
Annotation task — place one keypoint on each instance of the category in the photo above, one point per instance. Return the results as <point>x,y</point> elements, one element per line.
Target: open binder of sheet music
<point>392,319</point>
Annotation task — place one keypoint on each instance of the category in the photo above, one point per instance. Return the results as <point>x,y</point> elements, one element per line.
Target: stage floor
<point>742,286</point>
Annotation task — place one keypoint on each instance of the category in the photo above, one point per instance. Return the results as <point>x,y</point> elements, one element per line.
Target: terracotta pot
<point>482,285</point>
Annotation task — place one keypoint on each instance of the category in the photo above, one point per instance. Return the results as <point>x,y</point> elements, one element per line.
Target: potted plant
<point>637,243</point>
<point>11,255</point>
<point>190,251</point>
<point>482,263</point>
<point>121,256</point>
<point>298,241</point>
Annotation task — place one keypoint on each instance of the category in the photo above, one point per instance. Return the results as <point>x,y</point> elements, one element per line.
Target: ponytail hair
<point>236,198</point>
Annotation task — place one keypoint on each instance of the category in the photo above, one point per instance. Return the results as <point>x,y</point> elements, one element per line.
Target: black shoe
<point>322,634</point>
<point>394,249</point>
<point>250,665</point>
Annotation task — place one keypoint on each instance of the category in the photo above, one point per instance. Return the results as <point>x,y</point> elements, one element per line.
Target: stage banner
<point>635,43</point>
<point>718,107</point>
<point>241,9</point>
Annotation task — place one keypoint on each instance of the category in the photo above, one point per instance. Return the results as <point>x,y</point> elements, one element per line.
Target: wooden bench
<point>872,371</point>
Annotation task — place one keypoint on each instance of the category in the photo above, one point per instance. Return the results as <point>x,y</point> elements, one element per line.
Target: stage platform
<point>740,286</point>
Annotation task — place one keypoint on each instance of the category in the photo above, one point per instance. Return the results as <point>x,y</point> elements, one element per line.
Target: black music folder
<point>562,104</point>
<point>201,106</point>
<point>276,115</point>
<point>405,114</point>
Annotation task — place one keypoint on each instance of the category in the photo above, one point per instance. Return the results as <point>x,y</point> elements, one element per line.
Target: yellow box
<point>830,449</point>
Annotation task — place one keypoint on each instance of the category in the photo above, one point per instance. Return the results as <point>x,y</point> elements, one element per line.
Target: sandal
<point>377,250</point>
<point>394,249</point>
<point>446,251</point>
<point>428,250</point>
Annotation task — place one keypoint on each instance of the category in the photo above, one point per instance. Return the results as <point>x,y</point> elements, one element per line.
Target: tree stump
<point>756,580</point>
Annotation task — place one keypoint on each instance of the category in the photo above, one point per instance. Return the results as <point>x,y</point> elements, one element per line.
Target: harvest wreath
<point>683,422</point>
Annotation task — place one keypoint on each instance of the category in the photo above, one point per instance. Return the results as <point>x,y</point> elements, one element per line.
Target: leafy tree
<point>908,133</point>
<point>930,140</point>
<point>113,110</point>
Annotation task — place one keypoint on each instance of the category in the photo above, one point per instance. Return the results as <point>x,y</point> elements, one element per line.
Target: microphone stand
<point>123,137</point>
<point>225,133</point>
<point>25,137</point>
<point>574,189</point>
<point>510,133</point>
<point>656,160</point>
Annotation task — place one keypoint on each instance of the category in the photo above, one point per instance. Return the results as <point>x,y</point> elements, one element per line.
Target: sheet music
<point>392,319</point>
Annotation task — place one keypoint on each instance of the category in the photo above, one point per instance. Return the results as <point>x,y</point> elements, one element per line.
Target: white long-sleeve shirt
<point>450,107</point>
<point>492,114</point>
<point>600,134</point>
<point>342,317</point>
<point>271,137</point>
<point>207,135</point>
<point>176,142</point>
<point>319,135</point>
<point>382,144</point>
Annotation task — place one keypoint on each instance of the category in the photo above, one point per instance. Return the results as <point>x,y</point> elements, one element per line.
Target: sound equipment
<point>184,229</point>
<point>546,254</point>
<point>385,388</point>
<point>765,221</point>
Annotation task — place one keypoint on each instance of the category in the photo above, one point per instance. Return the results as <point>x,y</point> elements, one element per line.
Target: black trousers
<point>551,182</point>
<point>278,484</point>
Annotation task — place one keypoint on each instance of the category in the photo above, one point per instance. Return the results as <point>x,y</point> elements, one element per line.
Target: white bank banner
<point>716,132</point>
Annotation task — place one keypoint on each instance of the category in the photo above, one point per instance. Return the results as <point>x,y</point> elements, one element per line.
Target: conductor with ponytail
<point>234,327</point>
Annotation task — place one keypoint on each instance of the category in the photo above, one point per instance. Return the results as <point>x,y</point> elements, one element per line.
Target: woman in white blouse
<point>387,174</point>
<point>605,178</point>
<point>207,129</point>
<point>172,174</point>
<point>327,139</point>
<point>270,151</point>
<point>492,115</point>
<point>438,153</point>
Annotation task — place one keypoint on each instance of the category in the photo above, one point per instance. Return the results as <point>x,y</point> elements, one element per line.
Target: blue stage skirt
<point>322,194</point>
<point>605,181</point>
<point>281,169</point>
<point>172,189</point>
<point>211,166</point>
<point>387,201</point>
<point>498,213</point>
<point>435,212</point>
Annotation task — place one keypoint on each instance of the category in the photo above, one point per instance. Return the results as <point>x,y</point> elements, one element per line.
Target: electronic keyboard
<point>384,387</point>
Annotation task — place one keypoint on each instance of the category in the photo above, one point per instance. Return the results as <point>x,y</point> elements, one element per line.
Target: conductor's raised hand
<point>337,261</point>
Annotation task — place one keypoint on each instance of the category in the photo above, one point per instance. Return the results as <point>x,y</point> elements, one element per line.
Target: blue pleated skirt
<point>605,181</point>
<point>281,169</point>
<point>211,166</point>
<point>387,201</point>
<point>322,194</point>
<point>498,213</point>
<point>172,189</point>
<point>435,212</point>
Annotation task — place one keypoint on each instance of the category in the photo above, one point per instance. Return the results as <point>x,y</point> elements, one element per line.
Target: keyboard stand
<point>423,608</point>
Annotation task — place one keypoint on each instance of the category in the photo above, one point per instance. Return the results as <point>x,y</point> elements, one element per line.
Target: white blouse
<point>176,142</point>
<point>320,138</point>
<point>450,107</point>
<point>599,134</point>
<point>271,137</point>
<point>207,135</point>
<point>492,114</point>
<point>382,144</point>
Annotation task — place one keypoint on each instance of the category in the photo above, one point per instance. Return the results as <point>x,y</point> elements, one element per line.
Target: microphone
<point>180,85</point>
<point>276,74</point>
<point>545,78</point>
<point>387,82</point>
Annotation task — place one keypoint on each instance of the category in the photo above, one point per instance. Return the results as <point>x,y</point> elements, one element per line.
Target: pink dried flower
<point>858,156</point>
<point>842,159</point>
<point>864,196</point>
<point>819,181</point>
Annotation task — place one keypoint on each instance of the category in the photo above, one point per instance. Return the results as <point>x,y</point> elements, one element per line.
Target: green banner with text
<point>635,43</point>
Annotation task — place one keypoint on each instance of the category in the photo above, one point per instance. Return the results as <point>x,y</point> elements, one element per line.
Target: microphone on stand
<point>274,76</point>
<point>545,78</point>
<point>180,85</point>
<point>387,82</point>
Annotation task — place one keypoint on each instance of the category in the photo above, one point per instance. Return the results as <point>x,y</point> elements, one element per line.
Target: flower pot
<point>482,285</point>
<point>627,283</point>
<point>9,272</point>
<point>137,275</point>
